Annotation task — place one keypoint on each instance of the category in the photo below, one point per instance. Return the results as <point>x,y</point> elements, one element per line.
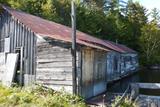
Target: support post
<point>21,66</point>
<point>74,74</point>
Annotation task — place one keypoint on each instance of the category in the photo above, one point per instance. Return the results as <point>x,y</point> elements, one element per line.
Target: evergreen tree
<point>150,44</point>
<point>155,15</point>
<point>137,18</point>
<point>99,3</point>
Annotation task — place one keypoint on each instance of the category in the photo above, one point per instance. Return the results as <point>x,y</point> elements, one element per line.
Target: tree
<point>137,18</point>
<point>98,3</point>
<point>90,20</point>
<point>112,5</point>
<point>155,15</point>
<point>30,6</point>
<point>13,3</point>
<point>150,43</point>
<point>136,13</point>
<point>49,11</point>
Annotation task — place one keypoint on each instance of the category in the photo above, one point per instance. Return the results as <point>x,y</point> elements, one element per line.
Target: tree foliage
<point>137,19</point>
<point>155,16</point>
<point>150,43</point>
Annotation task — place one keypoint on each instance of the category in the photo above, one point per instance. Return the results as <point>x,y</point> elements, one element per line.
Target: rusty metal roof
<point>119,47</point>
<point>57,31</point>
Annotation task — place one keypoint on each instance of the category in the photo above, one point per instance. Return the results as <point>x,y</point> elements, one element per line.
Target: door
<point>11,65</point>
<point>99,72</point>
<point>87,73</point>
<point>19,70</point>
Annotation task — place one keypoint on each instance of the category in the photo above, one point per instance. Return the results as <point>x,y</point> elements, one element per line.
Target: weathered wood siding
<point>129,63</point>
<point>99,72</point>
<point>113,66</point>
<point>15,36</point>
<point>87,72</point>
<point>2,65</point>
<point>50,60</point>
<point>120,64</point>
<point>93,72</point>
<point>54,64</point>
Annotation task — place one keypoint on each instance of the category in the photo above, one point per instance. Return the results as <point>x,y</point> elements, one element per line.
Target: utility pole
<point>74,73</point>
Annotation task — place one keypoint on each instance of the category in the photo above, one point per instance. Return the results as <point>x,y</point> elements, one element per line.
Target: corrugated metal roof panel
<point>119,47</point>
<point>60,32</point>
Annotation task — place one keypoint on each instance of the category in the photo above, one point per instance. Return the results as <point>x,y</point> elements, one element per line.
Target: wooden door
<point>11,65</point>
<point>87,73</point>
<point>99,72</point>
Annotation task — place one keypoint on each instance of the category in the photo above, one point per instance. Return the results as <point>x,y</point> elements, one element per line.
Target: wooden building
<point>121,62</point>
<point>44,49</point>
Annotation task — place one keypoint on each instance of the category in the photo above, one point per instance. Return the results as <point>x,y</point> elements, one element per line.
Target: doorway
<point>20,68</point>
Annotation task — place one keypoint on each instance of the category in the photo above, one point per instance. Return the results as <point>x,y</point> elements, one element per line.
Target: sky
<point>150,4</point>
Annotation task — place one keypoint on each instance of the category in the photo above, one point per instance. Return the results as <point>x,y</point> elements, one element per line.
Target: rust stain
<point>60,32</point>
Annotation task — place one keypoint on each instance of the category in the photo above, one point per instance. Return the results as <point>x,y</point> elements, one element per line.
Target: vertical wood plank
<point>21,66</point>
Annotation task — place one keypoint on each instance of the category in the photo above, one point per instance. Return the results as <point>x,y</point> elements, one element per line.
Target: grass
<point>125,103</point>
<point>37,96</point>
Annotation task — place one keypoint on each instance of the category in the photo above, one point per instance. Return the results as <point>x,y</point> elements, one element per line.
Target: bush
<point>37,96</point>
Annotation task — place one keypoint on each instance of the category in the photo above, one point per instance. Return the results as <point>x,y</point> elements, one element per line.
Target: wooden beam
<point>73,18</point>
<point>21,66</point>
<point>149,85</point>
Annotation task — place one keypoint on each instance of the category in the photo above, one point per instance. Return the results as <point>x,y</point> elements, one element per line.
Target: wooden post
<point>21,66</point>
<point>73,18</point>
<point>134,91</point>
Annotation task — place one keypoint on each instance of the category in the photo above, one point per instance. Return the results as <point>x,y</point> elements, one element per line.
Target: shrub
<point>37,96</point>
